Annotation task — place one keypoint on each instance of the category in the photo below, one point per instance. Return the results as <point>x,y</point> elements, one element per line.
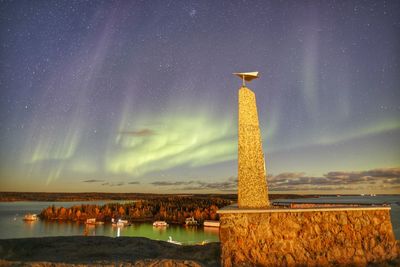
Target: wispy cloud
<point>169,183</point>
<point>93,181</point>
<point>113,184</point>
<point>229,185</point>
<point>376,178</point>
<point>295,181</point>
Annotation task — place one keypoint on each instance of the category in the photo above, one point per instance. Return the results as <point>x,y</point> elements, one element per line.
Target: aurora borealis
<point>139,96</point>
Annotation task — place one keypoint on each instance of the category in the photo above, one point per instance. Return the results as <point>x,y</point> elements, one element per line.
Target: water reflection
<point>118,231</point>
<point>29,225</point>
<point>212,230</point>
<point>182,234</point>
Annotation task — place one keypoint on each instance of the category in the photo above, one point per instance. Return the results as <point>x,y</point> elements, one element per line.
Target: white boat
<point>211,223</point>
<point>190,221</point>
<point>91,221</point>
<point>160,223</point>
<point>30,217</point>
<point>120,223</point>
<point>173,241</point>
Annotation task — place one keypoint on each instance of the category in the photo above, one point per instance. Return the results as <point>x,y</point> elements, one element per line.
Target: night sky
<point>139,96</point>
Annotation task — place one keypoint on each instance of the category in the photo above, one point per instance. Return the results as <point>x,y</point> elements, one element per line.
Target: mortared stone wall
<point>307,237</point>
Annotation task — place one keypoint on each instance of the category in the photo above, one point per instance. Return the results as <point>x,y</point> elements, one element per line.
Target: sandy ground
<point>101,250</point>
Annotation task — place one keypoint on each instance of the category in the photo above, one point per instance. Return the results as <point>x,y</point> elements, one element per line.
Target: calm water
<point>12,225</point>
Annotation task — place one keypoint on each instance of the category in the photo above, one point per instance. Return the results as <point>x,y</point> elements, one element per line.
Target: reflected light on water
<point>213,230</point>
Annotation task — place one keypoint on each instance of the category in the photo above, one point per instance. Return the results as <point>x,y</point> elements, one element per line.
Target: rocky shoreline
<point>107,251</point>
<point>104,251</point>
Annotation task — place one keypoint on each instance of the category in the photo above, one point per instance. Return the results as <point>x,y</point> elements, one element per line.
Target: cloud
<point>93,181</point>
<point>169,183</point>
<point>106,183</point>
<point>142,132</point>
<point>288,175</point>
<point>335,180</point>
<point>229,185</point>
<point>296,181</point>
<point>113,184</point>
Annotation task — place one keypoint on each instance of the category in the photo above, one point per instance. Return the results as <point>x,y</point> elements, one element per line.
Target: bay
<point>12,225</point>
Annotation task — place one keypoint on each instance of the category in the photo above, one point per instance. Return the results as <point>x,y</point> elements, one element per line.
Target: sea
<point>12,225</point>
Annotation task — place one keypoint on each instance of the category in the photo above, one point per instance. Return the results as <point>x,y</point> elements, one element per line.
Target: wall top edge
<point>230,209</point>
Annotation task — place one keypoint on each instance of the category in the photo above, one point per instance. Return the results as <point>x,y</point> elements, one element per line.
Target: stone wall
<point>312,237</point>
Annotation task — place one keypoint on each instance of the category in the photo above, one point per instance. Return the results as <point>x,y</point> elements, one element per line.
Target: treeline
<point>171,209</point>
<point>88,196</point>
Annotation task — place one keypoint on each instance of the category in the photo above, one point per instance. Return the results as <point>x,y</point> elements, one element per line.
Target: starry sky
<point>139,96</point>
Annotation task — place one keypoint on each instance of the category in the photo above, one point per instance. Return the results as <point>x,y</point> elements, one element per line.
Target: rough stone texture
<point>252,184</point>
<point>141,263</point>
<point>104,251</point>
<point>310,238</point>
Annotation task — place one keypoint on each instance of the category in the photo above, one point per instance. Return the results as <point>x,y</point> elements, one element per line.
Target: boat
<point>190,221</point>
<point>202,243</point>
<point>160,223</point>
<point>173,241</point>
<point>91,221</point>
<point>120,223</point>
<point>30,217</point>
<point>211,223</point>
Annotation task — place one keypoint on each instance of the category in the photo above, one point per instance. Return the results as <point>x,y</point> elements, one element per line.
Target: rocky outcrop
<point>309,237</point>
<point>140,263</point>
<point>104,251</point>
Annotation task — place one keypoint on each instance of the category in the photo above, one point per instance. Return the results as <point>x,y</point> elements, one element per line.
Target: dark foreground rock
<point>100,250</point>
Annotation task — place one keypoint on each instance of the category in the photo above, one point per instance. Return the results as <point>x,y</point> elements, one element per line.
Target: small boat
<point>190,221</point>
<point>160,224</point>
<point>202,243</point>
<point>120,223</point>
<point>173,241</point>
<point>30,217</point>
<point>91,221</point>
<point>211,223</point>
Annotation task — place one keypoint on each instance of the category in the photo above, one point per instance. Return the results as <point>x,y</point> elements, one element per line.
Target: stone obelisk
<point>252,187</point>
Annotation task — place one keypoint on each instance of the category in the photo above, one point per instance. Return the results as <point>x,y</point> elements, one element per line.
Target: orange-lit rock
<point>252,187</point>
<point>305,239</point>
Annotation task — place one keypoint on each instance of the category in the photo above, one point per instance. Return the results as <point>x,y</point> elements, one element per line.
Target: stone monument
<point>252,187</point>
<point>255,233</point>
